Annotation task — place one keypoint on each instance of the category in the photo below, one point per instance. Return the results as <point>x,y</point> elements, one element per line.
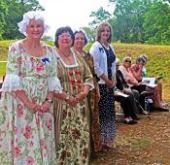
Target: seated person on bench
<point>126,97</point>
<point>137,71</point>
<point>133,83</point>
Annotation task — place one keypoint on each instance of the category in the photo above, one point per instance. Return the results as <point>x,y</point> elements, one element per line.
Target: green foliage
<point>90,32</point>
<point>16,9</point>
<point>129,20</point>
<point>156,23</point>
<point>141,21</point>
<point>100,15</point>
<point>3,11</point>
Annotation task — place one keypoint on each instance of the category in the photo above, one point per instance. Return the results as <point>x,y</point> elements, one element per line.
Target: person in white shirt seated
<point>126,97</point>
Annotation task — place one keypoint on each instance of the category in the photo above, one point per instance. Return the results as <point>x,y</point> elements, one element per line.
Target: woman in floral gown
<point>80,41</point>
<point>26,113</point>
<point>72,121</point>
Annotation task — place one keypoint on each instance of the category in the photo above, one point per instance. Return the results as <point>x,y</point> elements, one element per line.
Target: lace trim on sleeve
<point>54,84</point>
<point>12,82</point>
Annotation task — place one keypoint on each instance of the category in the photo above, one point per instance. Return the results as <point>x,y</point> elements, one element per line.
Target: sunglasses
<point>128,61</point>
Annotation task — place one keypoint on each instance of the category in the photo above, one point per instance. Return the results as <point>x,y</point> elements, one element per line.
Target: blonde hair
<point>126,58</point>
<point>101,28</point>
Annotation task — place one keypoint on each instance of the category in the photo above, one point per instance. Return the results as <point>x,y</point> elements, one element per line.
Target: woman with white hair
<point>26,113</point>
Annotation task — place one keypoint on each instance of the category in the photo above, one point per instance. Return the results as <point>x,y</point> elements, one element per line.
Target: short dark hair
<point>140,59</point>
<point>61,30</point>
<point>85,37</point>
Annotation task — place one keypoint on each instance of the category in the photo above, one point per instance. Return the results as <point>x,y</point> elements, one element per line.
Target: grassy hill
<point>159,56</point>
<point>158,64</point>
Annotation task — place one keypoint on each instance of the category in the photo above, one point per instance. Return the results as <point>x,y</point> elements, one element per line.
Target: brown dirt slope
<point>145,143</point>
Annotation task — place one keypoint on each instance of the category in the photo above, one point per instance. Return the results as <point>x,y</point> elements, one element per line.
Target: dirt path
<point>146,143</point>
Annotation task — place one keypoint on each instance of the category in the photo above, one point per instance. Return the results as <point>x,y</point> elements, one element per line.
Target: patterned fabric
<point>72,123</point>
<point>95,129</point>
<point>105,64</point>
<point>107,114</point>
<point>27,138</point>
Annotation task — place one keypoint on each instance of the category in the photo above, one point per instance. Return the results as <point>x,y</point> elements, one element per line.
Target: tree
<point>3,11</point>
<point>138,20</point>
<point>129,19</point>
<point>100,15</point>
<point>17,8</point>
<point>157,23</point>
<point>90,33</point>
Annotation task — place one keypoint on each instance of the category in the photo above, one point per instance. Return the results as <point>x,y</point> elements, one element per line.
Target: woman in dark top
<point>105,69</point>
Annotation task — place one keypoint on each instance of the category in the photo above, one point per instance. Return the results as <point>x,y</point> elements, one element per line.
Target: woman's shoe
<point>135,117</point>
<point>161,109</point>
<point>129,121</point>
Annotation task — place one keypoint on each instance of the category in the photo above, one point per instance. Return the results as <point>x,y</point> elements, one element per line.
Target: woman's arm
<point>96,53</point>
<point>71,100</point>
<point>137,73</point>
<point>27,102</point>
<point>82,95</point>
<point>109,83</point>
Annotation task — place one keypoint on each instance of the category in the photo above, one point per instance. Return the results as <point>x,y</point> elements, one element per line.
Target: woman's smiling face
<point>105,33</point>
<point>79,41</point>
<point>35,29</point>
<point>64,40</point>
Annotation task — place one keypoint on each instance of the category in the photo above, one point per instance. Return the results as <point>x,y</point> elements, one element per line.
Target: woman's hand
<point>72,101</point>
<point>110,83</point>
<point>31,104</point>
<point>81,96</point>
<point>33,107</point>
<point>45,107</point>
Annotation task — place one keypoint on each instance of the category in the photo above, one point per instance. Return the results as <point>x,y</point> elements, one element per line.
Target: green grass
<point>158,64</point>
<point>159,56</point>
<point>2,69</point>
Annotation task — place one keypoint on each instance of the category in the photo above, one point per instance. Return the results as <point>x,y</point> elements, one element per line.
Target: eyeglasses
<point>65,35</point>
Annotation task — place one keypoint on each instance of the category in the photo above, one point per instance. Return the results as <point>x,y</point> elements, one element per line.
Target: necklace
<point>67,57</point>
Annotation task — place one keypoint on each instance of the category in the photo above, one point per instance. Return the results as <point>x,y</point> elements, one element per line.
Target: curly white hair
<point>37,15</point>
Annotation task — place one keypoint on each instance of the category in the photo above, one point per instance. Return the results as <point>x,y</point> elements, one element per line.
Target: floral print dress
<point>27,138</point>
<point>95,130</point>
<point>72,123</point>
